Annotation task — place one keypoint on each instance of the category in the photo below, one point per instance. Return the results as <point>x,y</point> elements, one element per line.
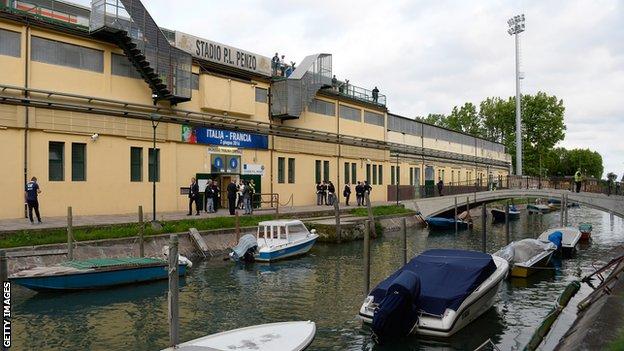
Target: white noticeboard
<point>202,183</point>
<point>253,169</point>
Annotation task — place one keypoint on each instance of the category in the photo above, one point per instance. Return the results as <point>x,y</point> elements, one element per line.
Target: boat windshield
<point>297,229</point>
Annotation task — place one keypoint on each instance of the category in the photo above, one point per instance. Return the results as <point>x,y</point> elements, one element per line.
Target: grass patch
<point>55,236</point>
<point>380,211</point>
<point>617,344</point>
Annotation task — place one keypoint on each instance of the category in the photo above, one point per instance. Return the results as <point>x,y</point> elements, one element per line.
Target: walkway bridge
<point>445,205</point>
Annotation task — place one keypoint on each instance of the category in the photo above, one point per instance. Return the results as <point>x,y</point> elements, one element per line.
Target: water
<point>325,286</point>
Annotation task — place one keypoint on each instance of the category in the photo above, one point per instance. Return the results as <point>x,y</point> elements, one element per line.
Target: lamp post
<point>516,26</point>
<point>396,174</point>
<point>154,168</point>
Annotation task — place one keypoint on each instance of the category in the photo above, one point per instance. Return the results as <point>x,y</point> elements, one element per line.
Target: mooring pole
<point>367,258</point>
<point>483,228</point>
<point>141,233</point>
<point>70,234</point>
<point>456,228</point>
<point>404,228</point>
<point>337,214</point>
<point>563,207</point>
<point>370,214</point>
<point>565,219</point>
<point>237,230</point>
<point>507,222</point>
<point>173,291</point>
<point>4,271</point>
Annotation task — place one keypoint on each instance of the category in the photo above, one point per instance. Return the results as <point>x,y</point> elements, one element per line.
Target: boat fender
<point>397,313</point>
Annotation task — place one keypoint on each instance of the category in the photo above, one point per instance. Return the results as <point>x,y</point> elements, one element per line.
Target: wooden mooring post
<point>507,222</point>
<point>366,256</point>
<point>483,227</point>
<point>237,224</point>
<point>337,214</point>
<point>172,296</point>
<point>565,218</point>
<point>404,231</point>
<point>141,233</point>
<point>70,234</point>
<point>370,214</point>
<point>563,208</point>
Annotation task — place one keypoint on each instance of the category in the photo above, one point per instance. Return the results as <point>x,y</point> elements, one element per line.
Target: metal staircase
<point>290,96</point>
<point>166,69</point>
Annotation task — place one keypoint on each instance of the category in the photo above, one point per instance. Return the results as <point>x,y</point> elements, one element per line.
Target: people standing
<point>193,197</point>
<point>252,191</point>
<point>209,194</point>
<point>240,204</point>
<point>32,192</point>
<point>367,190</point>
<point>359,193</point>
<point>216,196</point>
<point>578,178</point>
<point>324,193</point>
<point>319,194</point>
<point>375,94</point>
<point>232,189</point>
<point>440,186</point>
<point>346,193</point>
<point>275,63</point>
<point>247,197</point>
<point>331,191</point>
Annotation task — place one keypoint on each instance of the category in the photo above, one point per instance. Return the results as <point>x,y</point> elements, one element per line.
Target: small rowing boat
<point>538,208</point>
<point>586,230</point>
<point>566,239</point>
<point>527,256</point>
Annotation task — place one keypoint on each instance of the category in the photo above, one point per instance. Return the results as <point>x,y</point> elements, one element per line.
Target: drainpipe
<point>26,111</point>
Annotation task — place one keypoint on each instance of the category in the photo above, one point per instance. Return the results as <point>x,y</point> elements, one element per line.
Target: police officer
<point>232,189</point>
<point>193,197</point>
<point>578,178</point>
<point>359,193</point>
<point>32,191</point>
<point>347,193</point>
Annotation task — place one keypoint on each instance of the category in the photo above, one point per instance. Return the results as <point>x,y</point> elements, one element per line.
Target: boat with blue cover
<point>499,215</point>
<point>446,223</point>
<point>275,240</point>
<point>437,293</point>
<point>96,273</point>
<point>566,239</point>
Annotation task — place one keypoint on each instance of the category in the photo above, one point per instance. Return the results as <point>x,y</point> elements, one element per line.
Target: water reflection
<point>326,286</point>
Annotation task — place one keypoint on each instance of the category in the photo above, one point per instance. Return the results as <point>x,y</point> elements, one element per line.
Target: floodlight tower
<point>516,26</point>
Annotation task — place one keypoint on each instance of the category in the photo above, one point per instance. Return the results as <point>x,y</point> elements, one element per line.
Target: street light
<point>516,26</point>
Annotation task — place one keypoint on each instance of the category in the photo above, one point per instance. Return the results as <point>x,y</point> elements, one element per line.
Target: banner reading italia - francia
<point>221,137</point>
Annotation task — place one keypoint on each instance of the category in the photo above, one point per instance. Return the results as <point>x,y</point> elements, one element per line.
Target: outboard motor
<point>246,248</point>
<point>397,313</point>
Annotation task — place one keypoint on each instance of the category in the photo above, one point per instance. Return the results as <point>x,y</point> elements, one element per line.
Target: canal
<point>325,287</point>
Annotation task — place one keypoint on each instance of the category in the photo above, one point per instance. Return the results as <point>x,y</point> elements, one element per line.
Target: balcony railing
<point>48,10</point>
<point>358,93</point>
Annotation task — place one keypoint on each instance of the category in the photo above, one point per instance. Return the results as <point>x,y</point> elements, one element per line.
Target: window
<point>10,43</point>
<point>417,176</point>
<point>281,164</point>
<point>326,171</point>
<point>411,176</point>
<point>374,174</point>
<point>291,170</point>
<point>322,107</point>
<point>194,81</point>
<point>317,171</point>
<point>136,164</point>
<point>380,182</point>
<point>56,164</point>
<point>374,118</point>
<point>392,176</point>
<point>346,172</point>
<point>79,162</point>
<point>121,66</point>
<point>353,173</point>
<point>154,165</point>
<point>368,173</point>
<point>63,54</point>
<point>262,95</point>
<point>350,113</point>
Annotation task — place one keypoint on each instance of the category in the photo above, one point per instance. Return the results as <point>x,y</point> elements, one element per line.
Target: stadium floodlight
<point>517,26</point>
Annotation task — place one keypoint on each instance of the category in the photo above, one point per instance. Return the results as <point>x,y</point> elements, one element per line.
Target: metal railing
<point>359,93</point>
<point>46,10</point>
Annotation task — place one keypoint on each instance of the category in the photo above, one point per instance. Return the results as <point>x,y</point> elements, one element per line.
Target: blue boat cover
<point>447,277</point>
<point>556,238</point>
<point>398,311</point>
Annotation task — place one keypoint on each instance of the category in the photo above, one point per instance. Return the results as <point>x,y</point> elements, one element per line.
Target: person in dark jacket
<point>324,193</point>
<point>216,196</point>
<point>346,193</point>
<point>440,186</point>
<point>193,197</point>
<point>359,193</point>
<point>209,195</point>
<point>331,194</point>
<point>319,194</point>
<point>232,189</point>
<point>31,192</point>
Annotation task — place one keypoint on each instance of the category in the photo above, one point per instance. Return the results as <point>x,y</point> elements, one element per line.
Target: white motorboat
<point>437,293</point>
<point>527,256</point>
<point>284,336</point>
<point>275,240</point>
<point>565,238</point>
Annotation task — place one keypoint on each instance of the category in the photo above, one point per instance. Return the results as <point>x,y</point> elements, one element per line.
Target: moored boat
<point>499,215</point>
<point>283,336</point>
<point>437,293</point>
<point>586,230</point>
<point>538,208</point>
<point>527,256</point>
<point>446,223</point>
<point>96,273</point>
<point>566,239</point>
<point>275,240</point>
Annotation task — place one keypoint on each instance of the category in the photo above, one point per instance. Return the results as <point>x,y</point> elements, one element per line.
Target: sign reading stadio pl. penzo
<point>223,54</point>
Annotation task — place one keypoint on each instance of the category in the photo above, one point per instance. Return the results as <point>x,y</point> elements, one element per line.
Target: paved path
<point>8,225</point>
<point>437,205</point>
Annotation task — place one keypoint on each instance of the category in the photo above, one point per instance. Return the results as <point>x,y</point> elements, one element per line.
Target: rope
<point>290,199</point>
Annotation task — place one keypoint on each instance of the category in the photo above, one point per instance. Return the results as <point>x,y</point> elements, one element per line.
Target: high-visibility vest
<point>577,176</point>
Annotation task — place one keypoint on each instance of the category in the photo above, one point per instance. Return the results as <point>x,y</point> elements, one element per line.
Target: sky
<point>428,56</point>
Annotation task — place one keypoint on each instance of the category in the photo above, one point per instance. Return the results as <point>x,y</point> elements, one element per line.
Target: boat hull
<point>499,215</point>
<point>520,271</point>
<point>445,223</point>
<point>585,236</point>
<point>287,252</point>
<point>95,279</point>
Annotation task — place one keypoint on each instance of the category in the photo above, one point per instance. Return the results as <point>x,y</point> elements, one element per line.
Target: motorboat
<point>283,336</point>
<point>499,215</point>
<point>275,240</point>
<point>96,273</point>
<point>566,239</point>
<point>527,256</point>
<point>586,230</point>
<point>554,203</point>
<point>446,223</point>
<point>538,208</point>
<point>437,293</point>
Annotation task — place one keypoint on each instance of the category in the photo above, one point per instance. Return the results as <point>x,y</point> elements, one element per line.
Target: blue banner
<point>224,138</point>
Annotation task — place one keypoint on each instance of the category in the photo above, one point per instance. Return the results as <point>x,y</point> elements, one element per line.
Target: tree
<point>498,119</point>
<point>435,119</point>
<point>465,119</point>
